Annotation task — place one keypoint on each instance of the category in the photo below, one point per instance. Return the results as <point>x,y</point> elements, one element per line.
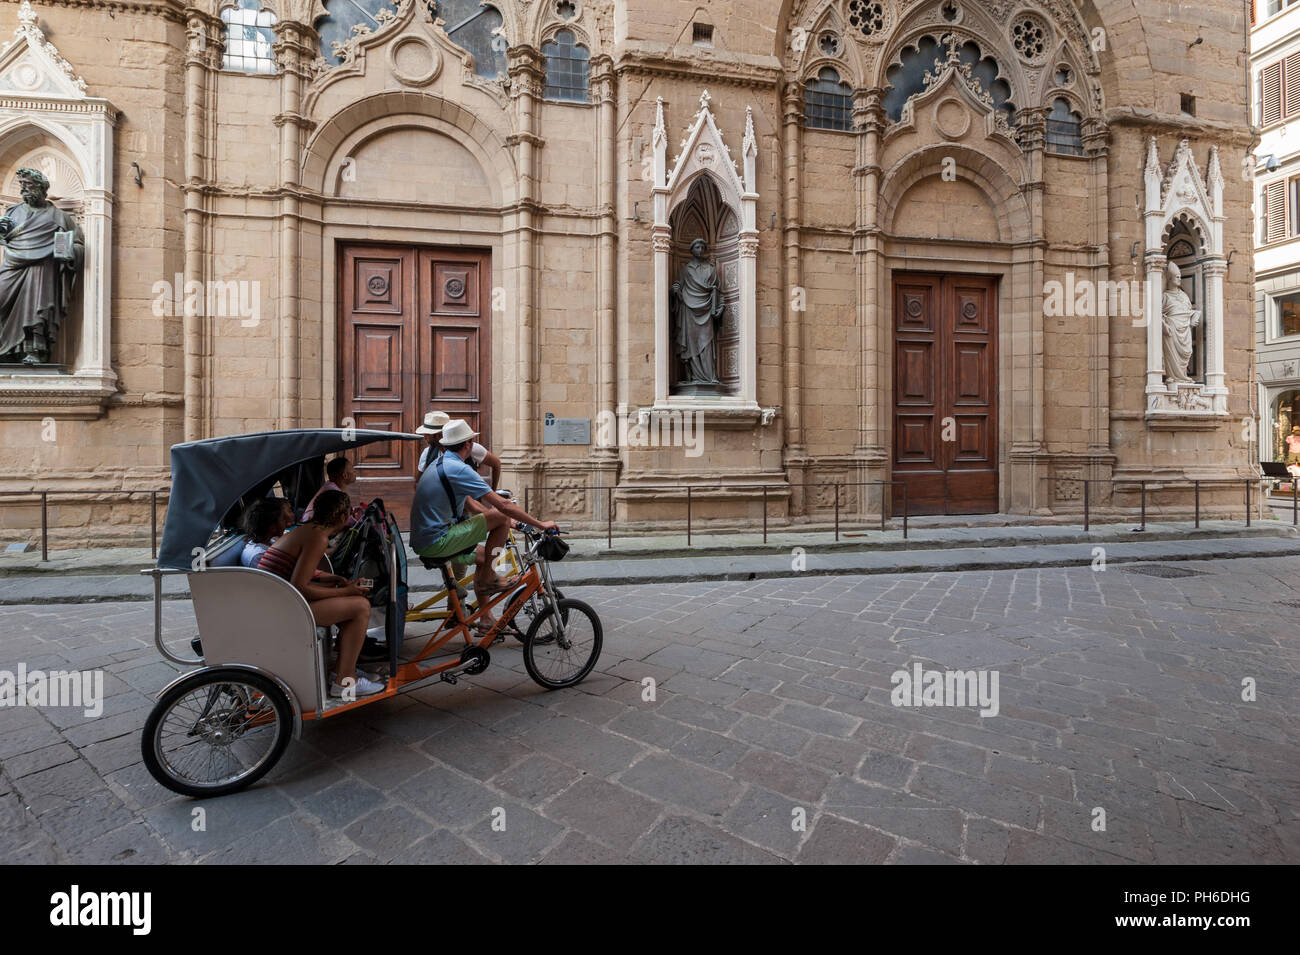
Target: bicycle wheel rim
<point>215,735</point>
<point>562,647</point>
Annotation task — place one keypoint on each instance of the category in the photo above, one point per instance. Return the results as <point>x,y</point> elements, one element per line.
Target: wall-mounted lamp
<point>139,174</point>
<point>1133,252</point>
<point>636,212</point>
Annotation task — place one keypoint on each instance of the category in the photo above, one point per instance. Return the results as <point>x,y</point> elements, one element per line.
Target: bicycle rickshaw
<point>264,662</point>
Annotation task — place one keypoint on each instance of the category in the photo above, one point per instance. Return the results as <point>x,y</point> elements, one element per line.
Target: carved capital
<point>749,246</point>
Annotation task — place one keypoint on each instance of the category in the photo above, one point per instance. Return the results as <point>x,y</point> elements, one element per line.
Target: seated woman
<point>333,600</point>
<point>266,520</point>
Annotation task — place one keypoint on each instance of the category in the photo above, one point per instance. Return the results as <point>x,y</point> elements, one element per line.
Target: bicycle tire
<point>545,643</point>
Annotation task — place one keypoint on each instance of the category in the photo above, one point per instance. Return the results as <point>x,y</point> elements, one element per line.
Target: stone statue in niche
<point>43,252</point>
<point>1179,318</point>
<point>697,304</point>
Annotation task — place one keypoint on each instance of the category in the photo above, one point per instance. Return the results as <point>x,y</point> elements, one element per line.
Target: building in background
<point>1275,78</point>
<point>920,216</point>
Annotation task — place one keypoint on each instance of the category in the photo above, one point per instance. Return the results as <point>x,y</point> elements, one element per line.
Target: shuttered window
<point>1270,99</point>
<point>1273,215</point>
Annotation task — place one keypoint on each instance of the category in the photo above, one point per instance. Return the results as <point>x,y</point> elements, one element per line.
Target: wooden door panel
<point>377,351</point>
<point>377,285</point>
<point>945,386</point>
<point>454,335</point>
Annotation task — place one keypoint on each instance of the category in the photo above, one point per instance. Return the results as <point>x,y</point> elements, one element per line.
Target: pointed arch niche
<point>1183,213</point>
<point>703,195</point>
<point>47,121</point>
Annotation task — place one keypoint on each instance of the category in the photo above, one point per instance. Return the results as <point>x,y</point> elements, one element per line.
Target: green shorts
<point>458,538</point>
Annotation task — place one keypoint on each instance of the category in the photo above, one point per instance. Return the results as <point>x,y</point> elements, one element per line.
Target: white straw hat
<point>454,432</point>
<point>434,422</point>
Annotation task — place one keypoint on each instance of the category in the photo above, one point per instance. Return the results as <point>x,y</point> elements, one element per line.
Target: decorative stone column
<point>603,92</point>
<point>527,74</point>
<point>792,327</point>
<point>293,50</point>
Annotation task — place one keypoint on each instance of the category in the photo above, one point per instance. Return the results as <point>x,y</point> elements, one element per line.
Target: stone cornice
<point>514,139</point>
<point>173,10</point>
<point>42,104</point>
<point>658,59</point>
<point>1184,127</point>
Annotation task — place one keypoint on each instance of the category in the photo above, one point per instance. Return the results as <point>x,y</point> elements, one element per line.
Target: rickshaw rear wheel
<point>216,732</point>
<point>560,649</point>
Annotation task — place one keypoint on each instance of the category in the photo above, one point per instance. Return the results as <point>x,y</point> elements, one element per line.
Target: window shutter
<point>1252,12</point>
<point>1275,211</point>
<point>1271,99</point>
<point>1291,85</point>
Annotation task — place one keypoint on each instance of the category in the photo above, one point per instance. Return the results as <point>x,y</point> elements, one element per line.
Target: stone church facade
<point>936,226</point>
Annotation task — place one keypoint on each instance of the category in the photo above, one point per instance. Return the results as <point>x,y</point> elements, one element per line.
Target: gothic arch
<point>1004,195</point>
<point>319,160</point>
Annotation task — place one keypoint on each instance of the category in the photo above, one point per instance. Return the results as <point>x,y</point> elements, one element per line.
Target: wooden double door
<point>945,392</point>
<point>413,338</point>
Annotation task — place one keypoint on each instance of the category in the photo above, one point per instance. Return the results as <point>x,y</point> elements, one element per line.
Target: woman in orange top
<point>295,557</point>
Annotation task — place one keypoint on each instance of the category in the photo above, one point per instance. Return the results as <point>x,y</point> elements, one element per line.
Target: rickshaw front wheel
<point>216,732</point>
<point>561,648</point>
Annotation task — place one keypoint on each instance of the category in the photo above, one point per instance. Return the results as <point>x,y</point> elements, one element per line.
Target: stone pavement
<point>1119,690</point>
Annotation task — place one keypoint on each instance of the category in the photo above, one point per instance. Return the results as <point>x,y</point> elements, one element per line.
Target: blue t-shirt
<point>431,511</point>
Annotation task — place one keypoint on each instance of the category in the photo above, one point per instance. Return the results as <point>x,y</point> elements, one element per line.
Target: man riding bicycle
<point>447,490</point>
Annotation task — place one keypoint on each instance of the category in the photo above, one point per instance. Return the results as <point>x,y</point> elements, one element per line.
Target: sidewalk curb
<point>658,574</point>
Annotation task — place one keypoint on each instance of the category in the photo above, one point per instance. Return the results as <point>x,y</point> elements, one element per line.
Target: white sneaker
<point>362,687</point>
<point>374,676</point>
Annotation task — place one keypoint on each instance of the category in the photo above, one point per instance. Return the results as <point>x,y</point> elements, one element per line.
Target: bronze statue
<point>698,304</point>
<point>43,252</point>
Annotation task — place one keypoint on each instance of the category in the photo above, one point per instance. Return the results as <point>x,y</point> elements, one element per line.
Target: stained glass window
<point>1064,129</point>
<point>249,36</point>
<point>567,66</point>
<point>907,77</point>
<point>828,102</point>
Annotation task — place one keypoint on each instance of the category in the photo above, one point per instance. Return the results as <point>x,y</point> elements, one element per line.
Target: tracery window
<point>568,65</point>
<point>1064,129</point>
<point>907,77</point>
<point>828,102</point>
<point>249,36</point>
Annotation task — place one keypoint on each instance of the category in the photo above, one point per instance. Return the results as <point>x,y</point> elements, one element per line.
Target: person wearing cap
<point>479,456</point>
<point>454,512</point>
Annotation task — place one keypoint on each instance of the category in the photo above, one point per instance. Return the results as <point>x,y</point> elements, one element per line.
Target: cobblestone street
<point>1119,690</point>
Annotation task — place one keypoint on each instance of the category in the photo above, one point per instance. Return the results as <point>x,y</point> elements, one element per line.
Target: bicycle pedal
<point>448,678</point>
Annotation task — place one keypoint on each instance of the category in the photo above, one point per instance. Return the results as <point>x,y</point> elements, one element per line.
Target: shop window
<point>249,36</point>
<point>1286,310</point>
<point>828,102</point>
<point>1064,129</point>
<point>567,68</point>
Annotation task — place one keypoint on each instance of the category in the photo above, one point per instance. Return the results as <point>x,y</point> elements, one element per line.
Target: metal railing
<point>716,490</point>
<point>97,495</point>
<point>1161,485</point>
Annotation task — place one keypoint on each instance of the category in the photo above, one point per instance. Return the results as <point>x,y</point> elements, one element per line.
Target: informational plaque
<point>566,430</point>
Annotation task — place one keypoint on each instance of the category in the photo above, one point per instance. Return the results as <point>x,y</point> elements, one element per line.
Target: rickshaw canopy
<point>210,477</point>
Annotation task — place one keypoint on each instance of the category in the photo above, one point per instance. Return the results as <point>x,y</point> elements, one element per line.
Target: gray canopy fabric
<point>210,476</point>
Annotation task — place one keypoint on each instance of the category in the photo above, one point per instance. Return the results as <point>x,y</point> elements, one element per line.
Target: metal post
<point>764,513</point>
<point>609,518</point>
<point>837,513</point>
<point>1294,512</point>
<point>882,507</point>
<point>1087,517</point>
<point>904,512</point>
<point>153,524</point>
<point>1144,505</point>
<point>1196,485</point>
<point>1247,502</point>
<point>688,515</point>
<point>526,490</point>
<point>45,528</point>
